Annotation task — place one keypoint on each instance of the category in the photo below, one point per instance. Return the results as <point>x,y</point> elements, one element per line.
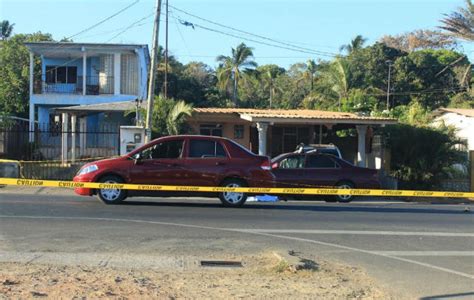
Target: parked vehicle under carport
<point>311,169</point>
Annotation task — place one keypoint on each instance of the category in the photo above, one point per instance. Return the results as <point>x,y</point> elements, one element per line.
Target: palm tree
<point>460,23</point>
<point>310,72</point>
<point>356,44</point>
<point>176,116</point>
<point>231,67</point>
<point>6,29</point>
<point>337,77</point>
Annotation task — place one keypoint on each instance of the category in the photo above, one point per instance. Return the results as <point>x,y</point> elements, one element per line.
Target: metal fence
<point>49,151</point>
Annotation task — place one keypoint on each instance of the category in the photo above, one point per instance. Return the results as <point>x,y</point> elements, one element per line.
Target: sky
<point>318,26</point>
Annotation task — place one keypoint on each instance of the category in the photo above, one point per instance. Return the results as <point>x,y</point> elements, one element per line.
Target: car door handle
<point>172,165</point>
<point>220,163</point>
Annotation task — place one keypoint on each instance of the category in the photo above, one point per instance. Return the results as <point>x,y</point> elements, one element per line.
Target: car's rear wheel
<point>111,196</point>
<point>232,199</point>
<point>344,198</point>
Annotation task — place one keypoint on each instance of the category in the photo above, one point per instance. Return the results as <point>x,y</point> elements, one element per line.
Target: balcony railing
<point>95,85</point>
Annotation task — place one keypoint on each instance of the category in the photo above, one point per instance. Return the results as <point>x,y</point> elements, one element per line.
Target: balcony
<point>95,85</point>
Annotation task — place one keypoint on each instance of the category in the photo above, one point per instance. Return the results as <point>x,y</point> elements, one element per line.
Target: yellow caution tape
<point>8,161</point>
<point>253,190</point>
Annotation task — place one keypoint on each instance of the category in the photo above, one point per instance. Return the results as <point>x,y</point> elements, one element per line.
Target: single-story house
<point>275,131</point>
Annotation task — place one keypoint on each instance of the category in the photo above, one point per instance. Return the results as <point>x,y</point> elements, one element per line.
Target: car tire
<point>111,196</point>
<point>344,198</point>
<point>230,199</point>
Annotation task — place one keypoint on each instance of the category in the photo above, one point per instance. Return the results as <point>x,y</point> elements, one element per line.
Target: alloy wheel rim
<point>345,187</point>
<point>233,197</point>
<point>110,194</point>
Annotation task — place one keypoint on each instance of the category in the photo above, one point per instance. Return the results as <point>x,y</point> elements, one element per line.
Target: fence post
<point>471,171</point>
<point>73,137</point>
<point>64,135</point>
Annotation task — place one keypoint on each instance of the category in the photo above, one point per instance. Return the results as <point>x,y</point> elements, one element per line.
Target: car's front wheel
<point>111,195</point>
<point>233,199</point>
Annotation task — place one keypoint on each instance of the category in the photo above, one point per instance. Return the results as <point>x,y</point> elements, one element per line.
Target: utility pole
<point>166,53</point>
<point>151,83</point>
<point>389,62</point>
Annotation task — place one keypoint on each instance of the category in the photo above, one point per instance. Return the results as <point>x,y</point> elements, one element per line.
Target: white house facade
<point>461,119</point>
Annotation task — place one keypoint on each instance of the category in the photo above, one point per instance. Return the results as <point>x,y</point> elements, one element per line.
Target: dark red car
<point>321,170</point>
<point>187,160</point>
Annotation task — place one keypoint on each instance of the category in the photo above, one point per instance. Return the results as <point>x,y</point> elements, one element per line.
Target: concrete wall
<point>464,124</point>
<point>227,131</point>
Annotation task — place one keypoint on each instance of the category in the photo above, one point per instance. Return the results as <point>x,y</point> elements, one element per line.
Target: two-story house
<point>82,74</point>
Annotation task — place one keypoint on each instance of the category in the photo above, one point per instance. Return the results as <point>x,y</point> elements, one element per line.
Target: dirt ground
<point>262,276</point>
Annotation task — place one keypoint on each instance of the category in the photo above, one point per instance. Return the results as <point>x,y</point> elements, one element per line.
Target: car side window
<point>320,162</point>
<point>206,149</point>
<point>168,149</point>
<point>292,162</point>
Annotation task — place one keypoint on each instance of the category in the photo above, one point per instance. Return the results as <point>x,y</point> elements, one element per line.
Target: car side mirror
<point>275,165</point>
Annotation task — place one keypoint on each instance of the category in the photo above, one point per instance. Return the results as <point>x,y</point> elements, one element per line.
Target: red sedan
<point>322,170</point>
<point>187,160</point>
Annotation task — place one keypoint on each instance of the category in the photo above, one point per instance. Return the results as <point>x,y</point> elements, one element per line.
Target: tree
<point>268,75</point>
<point>460,23</point>
<point>419,40</point>
<point>232,67</point>
<point>14,71</point>
<point>356,44</point>
<point>310,73</point>
<point>176,116</point>
<point>337,76</point>
<point>169,115</point>
<point>6,29</point>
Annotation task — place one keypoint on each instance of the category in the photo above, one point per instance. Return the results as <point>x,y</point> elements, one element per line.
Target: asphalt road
<point>413,250</point>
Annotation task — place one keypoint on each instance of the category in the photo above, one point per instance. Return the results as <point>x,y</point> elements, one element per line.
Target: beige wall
<point>227,130</point>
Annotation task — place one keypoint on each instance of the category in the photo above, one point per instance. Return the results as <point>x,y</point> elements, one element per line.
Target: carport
<point>272,131</point>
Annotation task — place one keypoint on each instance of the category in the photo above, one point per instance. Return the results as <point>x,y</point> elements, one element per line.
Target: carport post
<point>361,157</point>
<point>262,138</point>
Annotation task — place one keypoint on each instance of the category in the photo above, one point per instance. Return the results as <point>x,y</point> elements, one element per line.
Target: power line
<point>303,49</point>
<point>120,33</point>
<point>104,20</point>
<point>252,40</point>
<point>130,26</point>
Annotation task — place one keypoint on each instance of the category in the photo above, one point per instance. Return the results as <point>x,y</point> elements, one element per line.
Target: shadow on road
<point>340,207</point>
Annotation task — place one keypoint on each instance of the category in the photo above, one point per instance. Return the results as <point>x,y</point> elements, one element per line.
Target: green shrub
<point>422,156</point>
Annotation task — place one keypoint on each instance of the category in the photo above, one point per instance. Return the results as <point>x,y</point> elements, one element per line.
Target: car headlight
<point>88,169</point>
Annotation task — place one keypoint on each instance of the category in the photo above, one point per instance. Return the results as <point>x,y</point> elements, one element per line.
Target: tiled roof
<point>460,111</point>
<point>290,113</point>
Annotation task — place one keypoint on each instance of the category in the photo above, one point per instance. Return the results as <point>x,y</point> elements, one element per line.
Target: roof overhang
<point>273,116</point>
<point>120,106</point>
<point>58,49</point>
<point>276,120</point>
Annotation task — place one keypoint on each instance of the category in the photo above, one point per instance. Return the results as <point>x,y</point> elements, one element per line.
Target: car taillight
<point>266,165</point>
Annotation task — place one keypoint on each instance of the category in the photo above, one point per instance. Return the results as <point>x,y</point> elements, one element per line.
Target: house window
<point>238,131</point>
<point>211,129</point>
<point>57,74</point>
